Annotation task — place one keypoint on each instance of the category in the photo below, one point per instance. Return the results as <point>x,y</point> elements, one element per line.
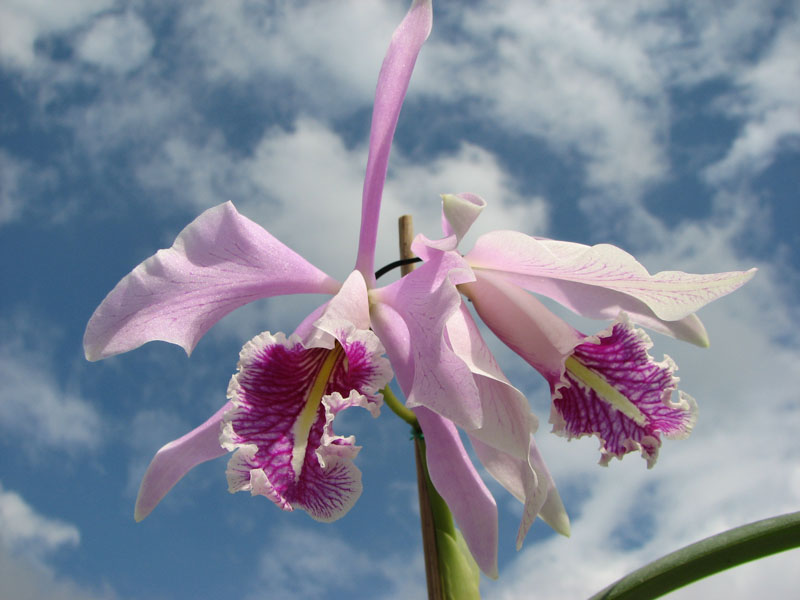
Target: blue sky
<point>669,128</point>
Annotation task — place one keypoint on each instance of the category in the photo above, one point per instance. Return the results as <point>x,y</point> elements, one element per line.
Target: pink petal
<point>348,309</point>
<point>459,212</point>
<point>528,480</point>
<point>219,262</point>
<point>424,300</point>
<point>504,444</point>
<point>552,512</point>
<point>176,459</point>
<point>455,478</point>
<point>450,468</point>
<point>600,281</point>
<point>391,91</point>
<point>507,419</point>
<point>522,322</point>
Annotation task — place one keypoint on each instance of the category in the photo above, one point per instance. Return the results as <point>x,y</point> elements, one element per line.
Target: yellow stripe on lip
<point>305,419</point>
<point>605,390</point>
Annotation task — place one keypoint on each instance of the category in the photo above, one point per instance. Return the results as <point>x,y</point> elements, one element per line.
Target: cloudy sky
<point>670,128</point>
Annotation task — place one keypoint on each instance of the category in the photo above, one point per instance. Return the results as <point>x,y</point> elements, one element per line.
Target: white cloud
<point>307,563</point>
<point>25,531</point>
<point>766,99</point>
<point>285,43</point>
<point>22,580</point>
<point>416,188</point>
<point>306,180</point>
<point>573,77</point>
<point>27,539</point>
<point>23,22</point>
<point>119,43</point>
<point>21,183</point>
<point>35,411</point>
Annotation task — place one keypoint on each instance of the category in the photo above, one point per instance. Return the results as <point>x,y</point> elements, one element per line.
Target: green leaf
<point>706,557</point>
<point>460,573</point>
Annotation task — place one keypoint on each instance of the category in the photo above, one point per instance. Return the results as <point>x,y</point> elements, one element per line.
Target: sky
<point>670,128</point>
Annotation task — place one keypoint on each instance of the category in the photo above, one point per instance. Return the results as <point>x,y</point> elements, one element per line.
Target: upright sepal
<point>393,81</point>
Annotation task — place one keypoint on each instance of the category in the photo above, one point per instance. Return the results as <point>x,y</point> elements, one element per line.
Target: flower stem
<point>399,409</point>
<point>706,557</point>
<point>427,517</point>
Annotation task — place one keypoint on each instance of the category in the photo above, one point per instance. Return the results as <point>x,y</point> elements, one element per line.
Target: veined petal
<point>176,459</point>
<point>425,300</point>
<point>391,91</point>
<point>529,481</point>
<point>219,262</point>
<point>455,478</point>
<point>451,470</point>
<point>552,512</point>
<point>613,389</point>
<point>600,281</point>
<point>522,322</point>
<point>507,419</point>
<point>505,444</point>
<point>286,395</point>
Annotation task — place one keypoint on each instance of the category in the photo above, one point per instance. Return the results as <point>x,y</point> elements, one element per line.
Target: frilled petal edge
<point>613,389</point>
<point>285,397</point>
<point>220,261</point>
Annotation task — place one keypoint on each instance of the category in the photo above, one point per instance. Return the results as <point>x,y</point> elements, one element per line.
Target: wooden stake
<point>432,574</point>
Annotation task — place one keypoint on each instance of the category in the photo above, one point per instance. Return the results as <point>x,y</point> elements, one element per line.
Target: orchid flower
<point>606,384</point>
<point>282,402</point>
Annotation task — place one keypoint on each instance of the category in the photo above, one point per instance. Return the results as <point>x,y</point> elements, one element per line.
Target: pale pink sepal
<point>519,477</point>
<point>600,281</point>
<point>348,309</point>
<point>176,459</point>
<point>393,80</point>
<point>450,467</point>
<point>507,419</point>
<point>505,444</point>
<point>459,212</point>
<point>523,323</point>
<point>552,512</point>
<point>455,478</point>
<point>220,261</point>
<point>423,301</point>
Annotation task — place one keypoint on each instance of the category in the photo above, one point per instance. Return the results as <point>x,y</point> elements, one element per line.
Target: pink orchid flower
<point>278,420</point>
<point>604,385</point>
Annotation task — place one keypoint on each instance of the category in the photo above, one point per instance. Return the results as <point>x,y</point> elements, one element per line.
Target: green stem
<point>706,557</point>
<point>400,409</point>
<point>441,513</point>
